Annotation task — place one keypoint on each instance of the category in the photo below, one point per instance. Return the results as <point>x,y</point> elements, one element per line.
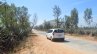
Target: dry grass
<point>84,37</point>
<point>25,47</point>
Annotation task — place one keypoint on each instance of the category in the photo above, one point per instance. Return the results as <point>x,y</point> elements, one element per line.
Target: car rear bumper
<point>58,37</point>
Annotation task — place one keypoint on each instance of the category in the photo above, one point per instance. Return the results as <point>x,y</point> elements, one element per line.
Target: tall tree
<point>74,18</point>
<point>71,22</point>
<point>34,22</point>
<point>57,13</point>
<point>88,15</point>
<point>67,22</point>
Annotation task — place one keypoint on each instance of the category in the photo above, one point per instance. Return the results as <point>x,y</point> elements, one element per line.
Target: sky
<point>44,8</point>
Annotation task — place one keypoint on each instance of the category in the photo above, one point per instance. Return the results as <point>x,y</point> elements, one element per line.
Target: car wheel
<point>47,37</point>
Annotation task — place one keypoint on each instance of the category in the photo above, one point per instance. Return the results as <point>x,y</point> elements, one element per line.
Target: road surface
<point>41,45</point>
<point>89,47</point>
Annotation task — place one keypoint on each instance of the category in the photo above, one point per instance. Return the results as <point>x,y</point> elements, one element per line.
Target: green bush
<point>14,26</point>
<point>94,33</point>
<point>81,32</point>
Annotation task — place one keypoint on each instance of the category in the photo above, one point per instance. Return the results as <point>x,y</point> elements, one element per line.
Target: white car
<point>55,34</point>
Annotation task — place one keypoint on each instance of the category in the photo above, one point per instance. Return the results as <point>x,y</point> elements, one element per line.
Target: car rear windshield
<point>59,31</point>
<point>49,31</point>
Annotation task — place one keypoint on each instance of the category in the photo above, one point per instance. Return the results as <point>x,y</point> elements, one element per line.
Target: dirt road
<point>41,45</point>
<point>71,45</point>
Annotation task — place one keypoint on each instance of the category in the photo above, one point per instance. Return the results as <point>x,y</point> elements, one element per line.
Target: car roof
<point>56,29</point>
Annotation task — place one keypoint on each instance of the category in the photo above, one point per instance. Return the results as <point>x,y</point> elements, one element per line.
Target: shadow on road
<point>61,41</point>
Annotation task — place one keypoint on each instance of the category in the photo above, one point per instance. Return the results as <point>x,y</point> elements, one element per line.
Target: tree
<point>47,25</point>
<point>74,18</point>
<point>88,15</point>
<point>71,22</point>
<point>57,13</point>
<point>34,22</point>
<point>14,25</point>
<point>67,22</point>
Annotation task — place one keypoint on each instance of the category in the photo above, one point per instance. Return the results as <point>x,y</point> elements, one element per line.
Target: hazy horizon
<point>44,10</point>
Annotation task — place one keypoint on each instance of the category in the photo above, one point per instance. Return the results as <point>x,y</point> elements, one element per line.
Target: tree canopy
<point>88,15</point>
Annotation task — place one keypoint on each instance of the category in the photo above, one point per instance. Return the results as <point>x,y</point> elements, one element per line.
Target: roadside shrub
<point>80,32</point>
<point>14,26</point>
<point>94,33</point>
<point>87,32</point>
